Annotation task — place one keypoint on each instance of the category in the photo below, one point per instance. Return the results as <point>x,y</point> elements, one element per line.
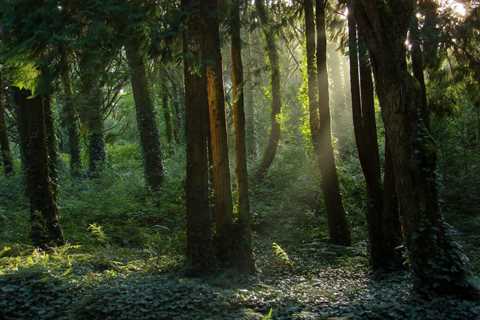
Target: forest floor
<point>124,261</point>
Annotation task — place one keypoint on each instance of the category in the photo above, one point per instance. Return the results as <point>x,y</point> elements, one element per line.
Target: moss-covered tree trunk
<point>167,117</point>
<point>245,256</point>
<point>437,264</point>
<point>249,89</point>
<point>275,130</point>
<point>45,227</point>
<point>70,118</point>
<point>52,142</point>
<point>19,97</point>
<point>4,141</point>
<point>146,117</point>
<point>92,96</point>
<point>339,231</point>
<point>382,240</point>
<point>200,250</point>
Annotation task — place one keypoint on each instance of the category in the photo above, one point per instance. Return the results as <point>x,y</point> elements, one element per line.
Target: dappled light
<point>250,160</point>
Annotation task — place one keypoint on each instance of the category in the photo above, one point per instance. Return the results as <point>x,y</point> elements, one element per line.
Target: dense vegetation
<point>239,159</point>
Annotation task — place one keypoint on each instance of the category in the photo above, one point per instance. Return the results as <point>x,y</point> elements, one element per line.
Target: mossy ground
<point>124,258</point>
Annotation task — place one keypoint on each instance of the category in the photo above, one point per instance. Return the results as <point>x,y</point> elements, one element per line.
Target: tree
<point>272,51</point>
<point>168,118</point>
<point>52,143</point>
<point>337,222</point>
<point>91,95</point>
<point>200,250</point>
<point>437,264</point>
<point>4,143</point>
<point>241,172</point>
<point>222,194</point>
<point>45,227</point>
<point>146,118</point>
<point>383,236</point>
<point>70,116</point>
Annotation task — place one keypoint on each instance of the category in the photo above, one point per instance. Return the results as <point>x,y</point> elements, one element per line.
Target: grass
<point>124,256</point>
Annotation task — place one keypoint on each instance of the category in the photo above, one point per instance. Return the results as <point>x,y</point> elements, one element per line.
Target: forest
<point>239,159</point>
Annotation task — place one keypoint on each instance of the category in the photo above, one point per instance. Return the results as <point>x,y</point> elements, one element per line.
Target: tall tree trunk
<point>417,67</point>
<point>4,143</point>
<point>91,93</point>
<point>70,118</point>
<point>382,241</point>
<point>245,260</point>
<point>272,50</point>
<point>168,118</point>
<point>51,143</point>
<point>249,99</point>
<point>391,212</point>
<point>45,228</point>
<point>313,104</point>
<point>200,252</point>
<point>218,132</point>
<point>437,264</point>
<point>178,129</point>
<point>337,221</point>
<point>18,97</point>
<point>146,118</point>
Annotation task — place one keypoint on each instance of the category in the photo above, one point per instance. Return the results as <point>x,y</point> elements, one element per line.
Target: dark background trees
<point>301,144</point>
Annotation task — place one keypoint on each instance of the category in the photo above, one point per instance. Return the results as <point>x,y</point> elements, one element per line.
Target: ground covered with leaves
<point>124,259</point>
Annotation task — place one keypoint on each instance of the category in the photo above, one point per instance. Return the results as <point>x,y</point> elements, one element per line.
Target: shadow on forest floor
<point>128,266</point>
<point>319,281</point>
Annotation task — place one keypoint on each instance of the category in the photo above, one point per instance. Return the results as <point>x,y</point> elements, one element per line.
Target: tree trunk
<point>245,256</point>
<point>200,252</point>
<point>91,93</point>
<point>51,143</point>
<point>4,143</point>
<point>437,264</point>
<point>70,117</point>
<point>272,50</point>
<point>178,129</point>
<point>337,222</point>
<point>417,67</point>
<point>168,118</point>
<point>391,212</point>
<point>19,97</point>
<point>249,101</point>
<point>146,118</point>
<point>382,242</point>
<point>45,229</point>
<point>218,132</point>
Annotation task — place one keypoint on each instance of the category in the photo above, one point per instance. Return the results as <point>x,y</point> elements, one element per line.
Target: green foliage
<point>281,255</point>
<point>268,316</point>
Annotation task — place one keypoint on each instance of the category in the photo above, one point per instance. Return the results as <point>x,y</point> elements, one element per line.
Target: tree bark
<point>91,93</point>
<point>145,111</point>
<point>168,118</point>
<point>438,265</point>
<point>218,133</point>
<point>18,97</point>
<point>382,241</point>
<point>52,143</point>
<point>70,117</point>
<point>200,252</point>
<point>272,50</point>
<point>249,98</point>
<point>418,68</point>
<point>245,259</point>
<point>45,228</point>
<point>339,231</point>
<point>4,143</point>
